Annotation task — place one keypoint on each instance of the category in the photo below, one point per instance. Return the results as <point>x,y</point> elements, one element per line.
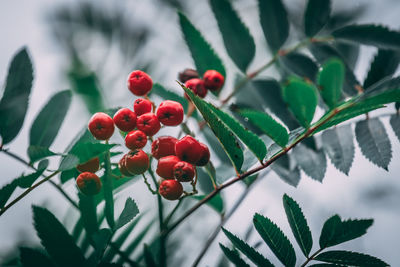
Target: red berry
<point>101,126</point>
<point>204,155</point>
<point>213,80</point>
<point>170,189</point>
<point>89,183</point>
<point>92,165</point>
<point>170,113</point>
<point>197,86</point>
<point>165,167</point>
<point>137,162</point>
<point>125,119</point>
<point>122,167</point>
<point>139,82</point>
<point>142,106</point>
<point>148,123</point>
<point>183,171</point>
<point>188,149</point>
<point>163,146</point>
<point>187,74</point>
<point>135,139</point>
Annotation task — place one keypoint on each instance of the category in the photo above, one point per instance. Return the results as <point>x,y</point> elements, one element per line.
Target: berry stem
<point>154,192</point>
<point>169,216</point>
<point>108,190</point>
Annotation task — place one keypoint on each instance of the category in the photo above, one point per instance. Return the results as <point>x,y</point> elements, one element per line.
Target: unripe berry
<point>204,155</point>
<point>170,113</point>
<point>122,167</point>
<point>183,171</point>
<point>197,86</point>
<point>188,149</point>
<point>92,165</point>
<point>139,82</point>
<point>142,106</point>
<point>137,162</point>
<point>187,74</point>
<point>125,119</point>
<point>165,167</point>
<point>148,123</point>
<point>163,146</point>
<point>101,126</point>
<point>88,183</point>
<point>135,140</point>
<point>213,80</point>
<point>170,189</point>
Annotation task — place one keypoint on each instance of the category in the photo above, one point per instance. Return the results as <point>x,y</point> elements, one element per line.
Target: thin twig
<point>312,257</point>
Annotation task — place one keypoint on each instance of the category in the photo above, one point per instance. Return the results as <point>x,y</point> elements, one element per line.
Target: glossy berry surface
<point>88,183</point>
<point>163,146</point>
<point>122,167</point>
<point>137,162</point>
<point>165,167</point>
<point>188,149</point>
<point>184,172</point>
<point>101,126</point>
<point>204,155</point>
<point>213,80</point>
<point>170,189</point>
<point>135,140</point>
<point>148,123</point>
<point>197,86</point>
<point>92,165</point>
<point>139,83</point>
<point>170,113</point>
<point>125,119</point>
<point>142,106</point>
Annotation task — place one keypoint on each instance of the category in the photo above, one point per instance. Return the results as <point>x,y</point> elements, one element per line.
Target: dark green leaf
<point>316,16</point>
<point>395,123</point>
<point>384,92</point>
<point>275,239</point>
<point>274,22</point>
<point>203,55</point>
<point>247,250</point>
<point>350,258</point>
<point>233,256</point>
<point>149,257</point>
<point>329,230</point>
<point>36,153</point>
<point>330,80</point>
<point>6,192</point>
<point>282,168</point>
<point>34,258</point>
<point>56,240</point>
<point>301,65</point>
<point>298,224</point>
<point>308,159</point>
<point>338,145</point>
<point>128,213</point>
<point>14,104</point>
<point>101,239</point>
<point>217,203</point>
<point>374,142</point>
<point>88,211</point>
<point>326,265</point>
<point>26,181</point>
<point>368,34</point>
<point>384,64</point>
<point>237,39</point>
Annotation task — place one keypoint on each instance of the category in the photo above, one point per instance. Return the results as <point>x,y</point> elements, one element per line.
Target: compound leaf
<point>316,16</point>
<point>233,256</point>
<point>350,258</point>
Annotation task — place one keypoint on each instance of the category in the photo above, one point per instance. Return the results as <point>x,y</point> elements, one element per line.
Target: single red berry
<point>88,183</point>
<point>135,139</point>
<point>170,113</point>
<point>92,165</point>
<point>197,86</point>
<point>213,80</point>
<point>188,149</point>
<point>139,82</point>
<point>187,74</point>
<point>165,167</point>
<point>163,146</point>
<point>137,162</point>
<point>183,171</point>
<point>122,167</point>
<point>101,126</point>
<point>125,119</point>
<point>204,155</point>
<point>142,106</point>
<point>148,123</point>
<point>170,189</point>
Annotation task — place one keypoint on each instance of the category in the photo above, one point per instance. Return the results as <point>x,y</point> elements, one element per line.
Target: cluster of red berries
<point>212,80</point>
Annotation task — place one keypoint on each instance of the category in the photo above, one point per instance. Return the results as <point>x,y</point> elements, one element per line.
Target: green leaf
<point>36,153</point>
<point>56,240</point>
<point>374,142</point>
<point>384,64</point>
<point>224,135</point>
<point>14,103</point>
<point>247,250</point>
<point>298,224</point>
<point>330,80</point>
<point>87,208</point>
<point>383,92</point>
<point>149,257</point>
<point>216,203</point>
<point>203,55</point>
<point>6,192</point>
<point>128,213</point>
<point>101,239</point>
<point>282,168</point>
<point>326,265</point>
<point>316,16</point>
<point>33,258</point>
<point>268,125</point>
<point>26,181</point>
<point>274,22</point>
<point>302,99</point>
<point>350,258</point>
<point>369,34</point>
<point>395,123</point>
<point>301,65</point>
<point>237,38</point>
<point>275,239</point>
<point>233,256</point>
<point>338,145</point>
<point>308,159</point>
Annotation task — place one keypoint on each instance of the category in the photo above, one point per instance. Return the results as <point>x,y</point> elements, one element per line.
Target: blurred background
<point>95,44</point>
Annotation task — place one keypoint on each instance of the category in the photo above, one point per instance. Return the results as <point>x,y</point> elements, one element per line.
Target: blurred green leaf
<point>26,181</point>
<point>383,65</point>
<point>149,257</point>
<point>216,203</point>
<point>316,16</point>
<point>36,153</point>
<point>308,159</point>
<point>395,123</point>
<point>233,256</point>
<point>6,192</point>
<point>330,80</point>
<point>282,168</point>
<point>128,213</point>
<point>301,65</point>
<point>101,239</point>
<point>350,258</point>
<point>87,208</point>
<point>33,258</point>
